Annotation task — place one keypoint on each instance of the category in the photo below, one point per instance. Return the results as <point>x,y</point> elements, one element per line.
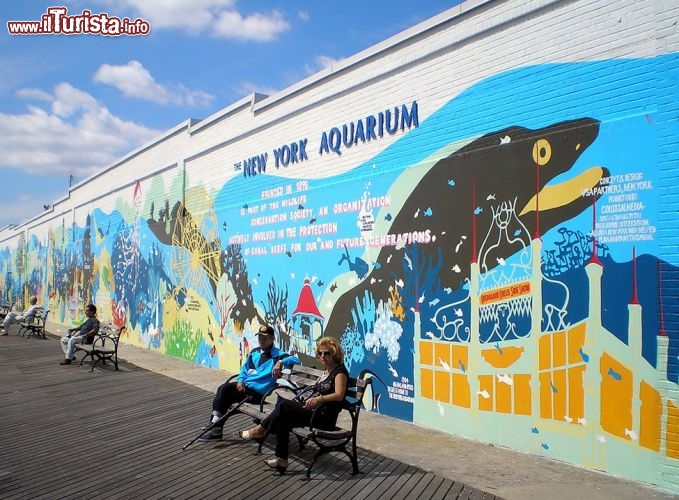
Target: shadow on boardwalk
<point>67,432</point>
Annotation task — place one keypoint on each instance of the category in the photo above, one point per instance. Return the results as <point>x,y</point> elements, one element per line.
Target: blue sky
<point>72,104</point>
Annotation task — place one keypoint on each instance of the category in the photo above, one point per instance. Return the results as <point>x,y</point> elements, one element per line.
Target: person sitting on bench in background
<point>85,334</point>
<point>13,318</point>
<point>257,375</point>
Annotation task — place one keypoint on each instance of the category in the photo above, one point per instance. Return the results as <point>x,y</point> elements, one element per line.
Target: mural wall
<point>479,226</point>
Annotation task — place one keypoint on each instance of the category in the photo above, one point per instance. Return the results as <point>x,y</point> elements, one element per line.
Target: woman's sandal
<point>277,463</point>
<point>247,436</point>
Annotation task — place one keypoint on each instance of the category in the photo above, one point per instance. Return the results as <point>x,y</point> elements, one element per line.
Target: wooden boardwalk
<point>66,432</point>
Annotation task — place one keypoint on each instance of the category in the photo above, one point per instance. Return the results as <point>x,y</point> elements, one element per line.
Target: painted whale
<point>513,168</point>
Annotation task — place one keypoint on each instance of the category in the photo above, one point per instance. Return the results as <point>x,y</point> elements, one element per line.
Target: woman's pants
<point>287,414</point>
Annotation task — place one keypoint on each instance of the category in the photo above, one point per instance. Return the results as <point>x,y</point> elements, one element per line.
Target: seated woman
<point>328,394</point>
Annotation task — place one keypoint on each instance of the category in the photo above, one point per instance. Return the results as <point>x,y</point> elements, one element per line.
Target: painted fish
<point>613,374</point>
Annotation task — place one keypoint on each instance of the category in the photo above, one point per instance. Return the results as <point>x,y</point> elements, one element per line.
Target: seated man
<point>85,334</point>
<point>13,318</point>
<point>257,375</point>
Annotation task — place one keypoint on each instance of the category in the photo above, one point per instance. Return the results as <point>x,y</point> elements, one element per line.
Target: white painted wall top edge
<point>247,101</point>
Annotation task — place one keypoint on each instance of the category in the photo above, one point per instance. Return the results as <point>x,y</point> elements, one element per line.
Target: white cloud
<point>192,98</point>
<point>134,80</point>
<point>77,135</point>
<point>257,27</point>
<point>33,94</point>
<point>303,15</point>
<point>247,88</point>
<point>69,100</point>
<point>17,208</point>
<point>216,17</point>
<point>190,15</point>
<point>321,62</point>
<point>318,63</point>
<point>13,212</point>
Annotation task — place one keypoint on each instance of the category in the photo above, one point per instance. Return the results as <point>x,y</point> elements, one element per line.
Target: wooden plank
<point>384,475</point>
<point>157,462</point>
<point>407,476</point>
<point>391,472</point>
<point>464,493</point>
<point>431,488</point>
<point>106,454</point>
<point>327,469</point>
<point>191,480</point>
<point>454,490</point>
<point>417,490</point>
<point>100,452</point>
<point>409,485</point>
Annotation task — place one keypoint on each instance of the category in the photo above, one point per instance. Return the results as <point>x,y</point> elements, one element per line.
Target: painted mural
<point>494,270</point>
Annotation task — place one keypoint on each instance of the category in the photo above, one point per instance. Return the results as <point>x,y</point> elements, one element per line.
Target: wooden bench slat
<point>322,434</point>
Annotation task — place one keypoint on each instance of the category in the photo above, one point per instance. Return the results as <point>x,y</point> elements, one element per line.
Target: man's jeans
<point>68,344</point>
<point>11,318</point>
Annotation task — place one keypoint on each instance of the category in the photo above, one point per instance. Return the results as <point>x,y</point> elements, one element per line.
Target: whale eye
<point>542,152</point>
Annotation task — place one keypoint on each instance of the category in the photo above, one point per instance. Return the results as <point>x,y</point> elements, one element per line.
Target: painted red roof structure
<point>306,304</point>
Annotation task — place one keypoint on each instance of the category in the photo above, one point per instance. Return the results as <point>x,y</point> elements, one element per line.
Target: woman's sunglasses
<point>323,353</point>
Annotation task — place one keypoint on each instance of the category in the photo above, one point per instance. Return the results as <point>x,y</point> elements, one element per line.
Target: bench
<point>35,325</point>
<point>336,440</point>
<point>5,308</point>
<point>103,348</point>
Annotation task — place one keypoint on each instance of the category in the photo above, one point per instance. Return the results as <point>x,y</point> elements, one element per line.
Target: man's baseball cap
<point>266,330</point>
